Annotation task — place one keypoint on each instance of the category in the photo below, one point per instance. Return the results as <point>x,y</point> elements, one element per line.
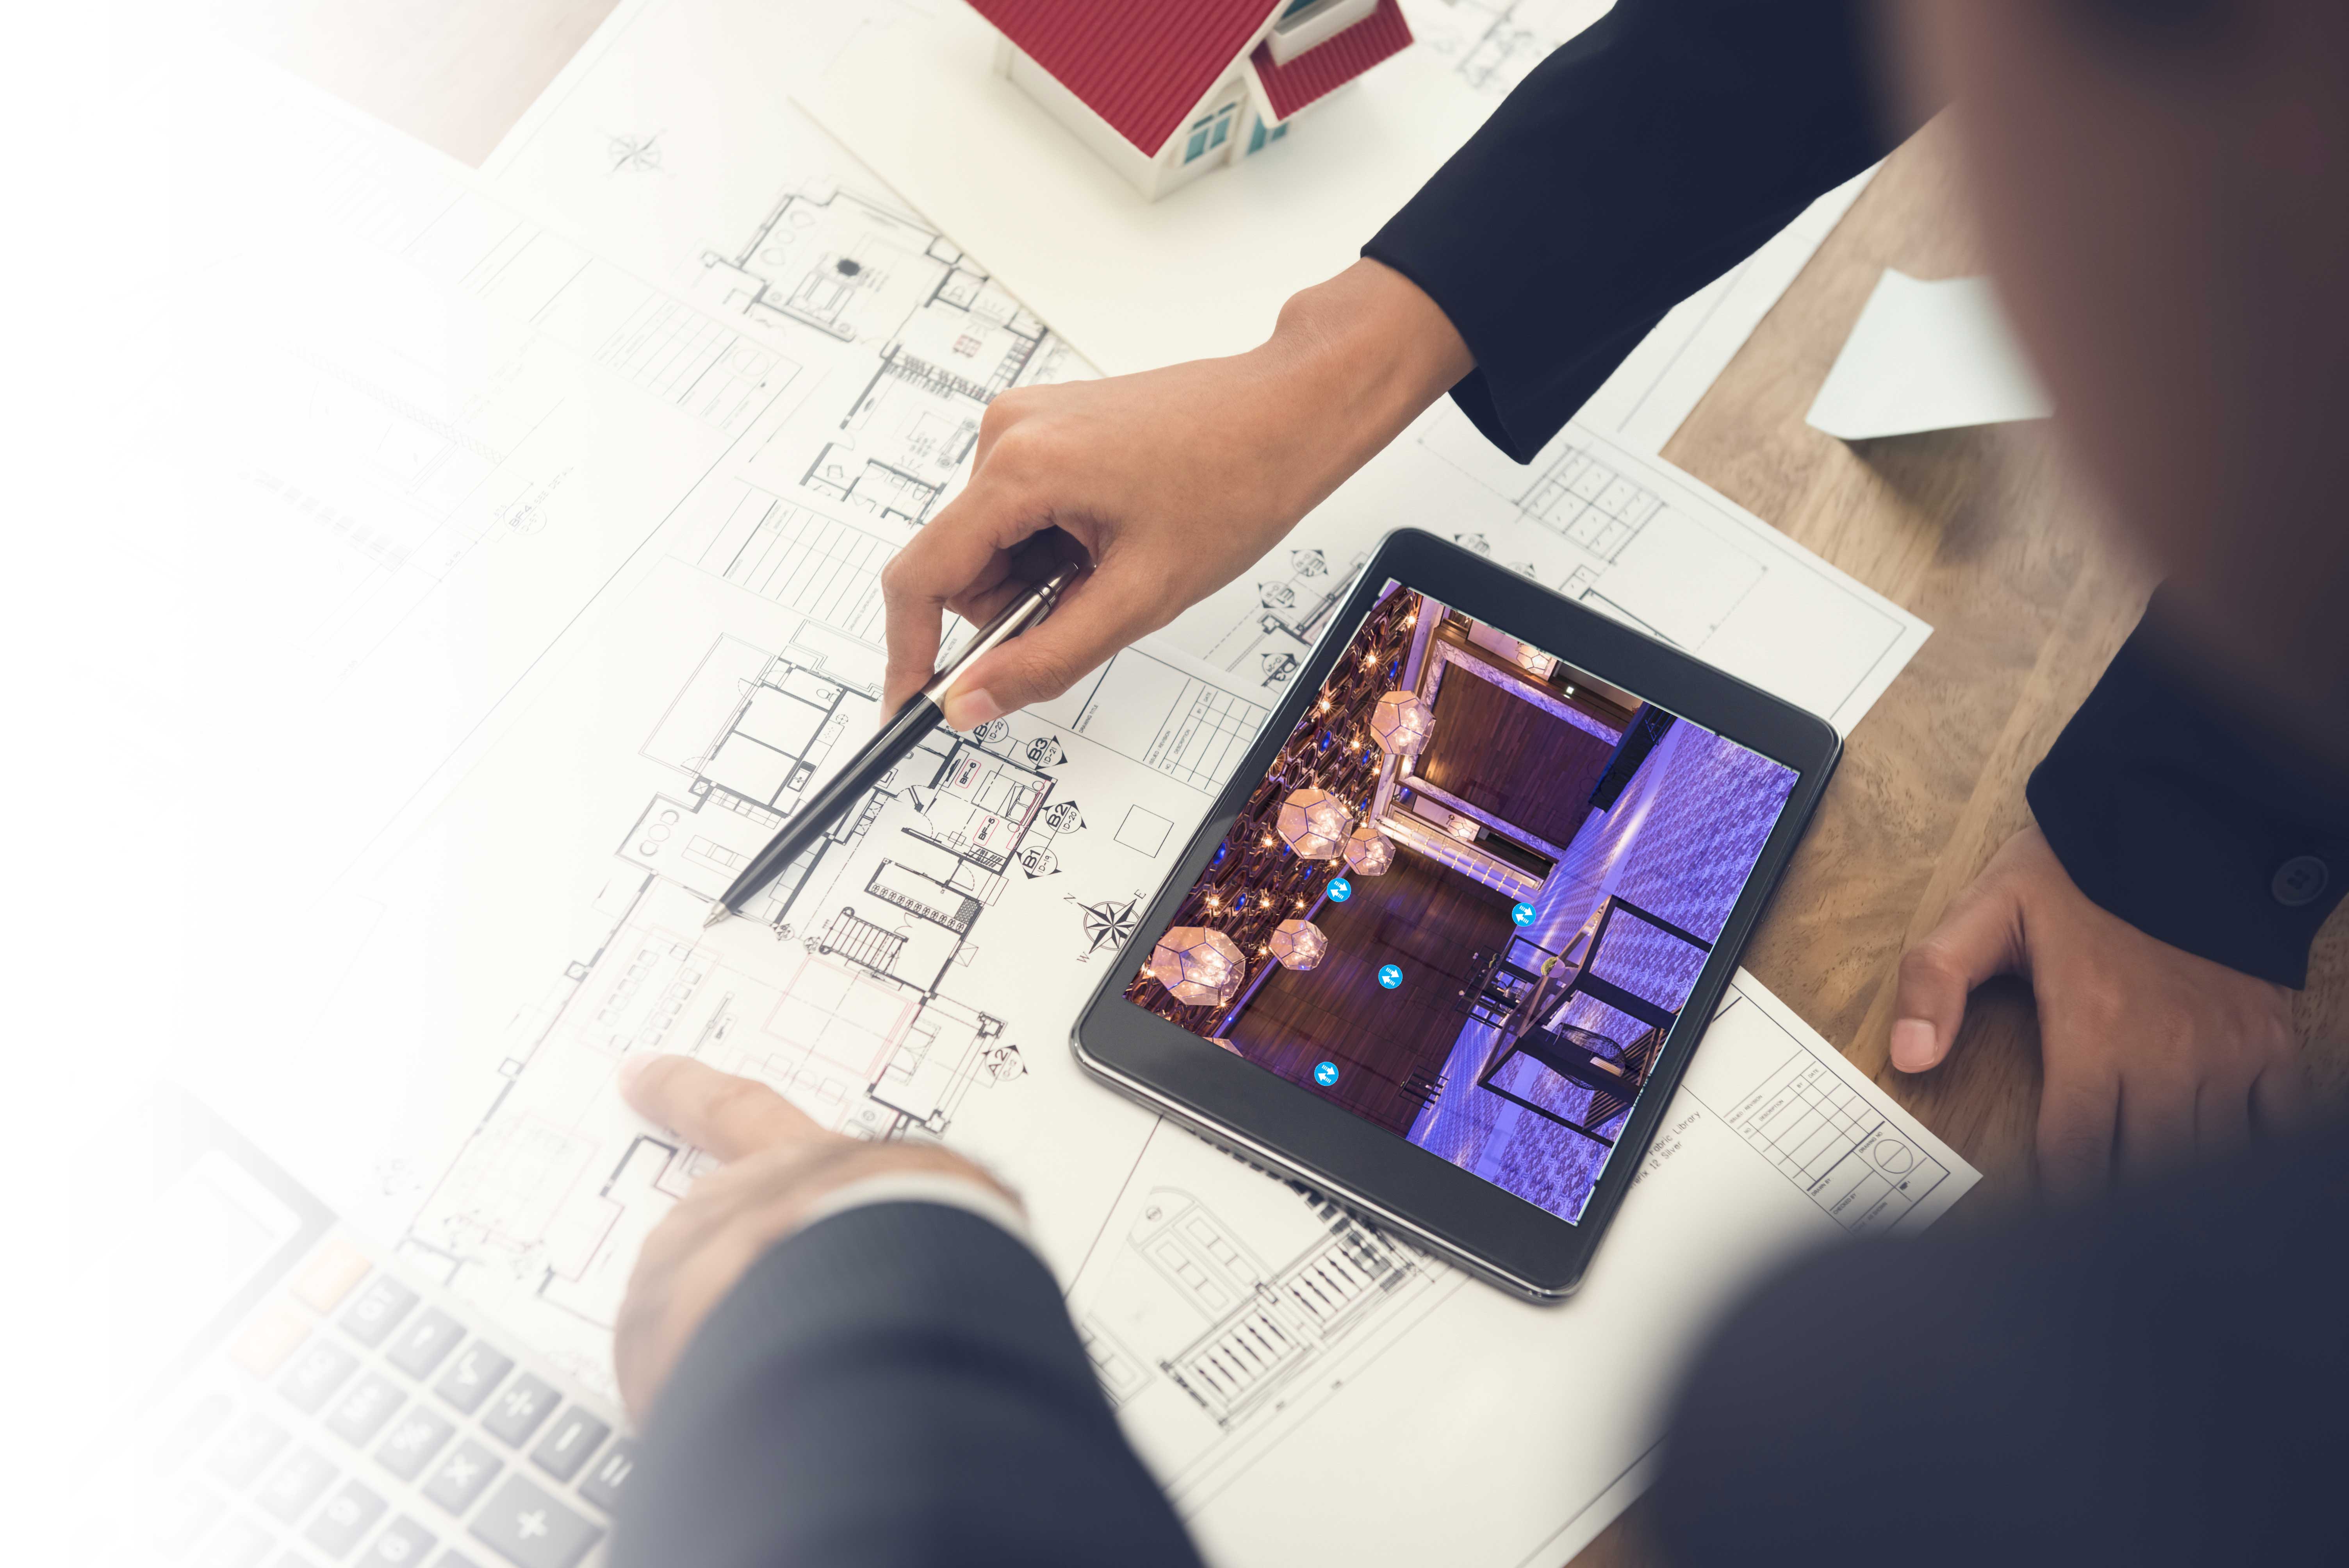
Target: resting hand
<point>1171,482</point>
<point>2150,1053</point>
<point>778,1164</point>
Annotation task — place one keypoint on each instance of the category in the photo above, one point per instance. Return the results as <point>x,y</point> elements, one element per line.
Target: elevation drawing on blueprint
<point>1628,535</point>
<point>1261,1345</point>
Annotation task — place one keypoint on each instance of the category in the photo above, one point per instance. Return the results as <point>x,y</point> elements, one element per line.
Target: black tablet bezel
<point>1240,1106</point>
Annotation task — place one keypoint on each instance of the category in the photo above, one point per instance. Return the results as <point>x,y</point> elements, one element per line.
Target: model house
<point>1166,90</point>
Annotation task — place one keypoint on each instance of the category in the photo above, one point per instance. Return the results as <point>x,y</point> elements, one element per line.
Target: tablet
<point>1446,943</point>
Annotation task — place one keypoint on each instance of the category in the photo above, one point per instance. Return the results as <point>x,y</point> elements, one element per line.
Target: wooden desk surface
<point>1982,533</point>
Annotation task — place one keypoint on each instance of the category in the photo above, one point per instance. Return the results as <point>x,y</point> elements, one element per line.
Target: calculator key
<point>377,1310</point>
<point>178,1522</point>
<point>424,1342</point>
<point>364,1407</point>
<point>239,1543</point>
<point>461,1478</point>
<point>402,1544</point>
<point>575,1435</point>
<point>267,1339</point>
<point>412,1442</point>
<point>607,1475</point>
<point>295,1484</point>
<point>187,1434</point>
<point>250,1444</point>
<point>316,1374</point>
<point>348,1515</point>
<point>515,1414</point>
<point>472,1376</point>
<point>329,1274</point>
<point>526,1526</point>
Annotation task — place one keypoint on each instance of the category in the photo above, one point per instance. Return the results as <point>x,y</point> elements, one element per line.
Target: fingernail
<point>966,710</point>
<point>632,1068</point>
<point>1912,1044</point>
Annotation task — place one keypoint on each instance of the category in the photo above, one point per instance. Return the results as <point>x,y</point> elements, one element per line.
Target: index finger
<point>965,550</point>
<point>729,1116</point>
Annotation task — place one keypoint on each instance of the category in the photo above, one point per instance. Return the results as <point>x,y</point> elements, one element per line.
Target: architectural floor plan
<point>948,339</point>
<point>538,746</point>
<point>847,988</point>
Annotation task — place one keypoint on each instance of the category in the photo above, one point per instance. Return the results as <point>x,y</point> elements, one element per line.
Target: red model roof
<point>1329,66</point>
<point>1141,67</point>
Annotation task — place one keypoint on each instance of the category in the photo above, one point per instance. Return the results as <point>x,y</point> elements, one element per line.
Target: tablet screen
<point>1469,898</point>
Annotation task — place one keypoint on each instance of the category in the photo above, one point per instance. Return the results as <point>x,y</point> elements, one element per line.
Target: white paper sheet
<point>1928,356</point>
<point>430,1040</point>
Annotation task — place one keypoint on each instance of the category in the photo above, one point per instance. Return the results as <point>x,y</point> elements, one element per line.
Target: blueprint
<point>556,570</point>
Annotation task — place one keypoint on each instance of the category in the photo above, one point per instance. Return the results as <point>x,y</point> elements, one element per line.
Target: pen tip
<point>718,912</point>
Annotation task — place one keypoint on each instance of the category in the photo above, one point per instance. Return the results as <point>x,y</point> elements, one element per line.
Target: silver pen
<point>923,712</point>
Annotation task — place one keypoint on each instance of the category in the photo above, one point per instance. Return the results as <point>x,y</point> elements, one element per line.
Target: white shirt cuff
<point>922,1187</point>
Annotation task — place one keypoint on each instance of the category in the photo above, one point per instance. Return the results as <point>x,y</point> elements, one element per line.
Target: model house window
<point>1298,12</point>
<point>1209,132</point>
<point>1303,24</point>
<point>1259,135</point>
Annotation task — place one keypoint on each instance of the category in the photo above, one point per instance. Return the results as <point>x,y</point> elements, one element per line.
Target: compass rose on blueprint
<point>1107,924</point>
<point>634,154</point>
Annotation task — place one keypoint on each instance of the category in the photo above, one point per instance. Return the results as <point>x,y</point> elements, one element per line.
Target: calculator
<point>334,1407</point>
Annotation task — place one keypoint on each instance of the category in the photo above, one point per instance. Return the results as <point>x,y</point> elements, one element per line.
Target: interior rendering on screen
<point>1470,897</point>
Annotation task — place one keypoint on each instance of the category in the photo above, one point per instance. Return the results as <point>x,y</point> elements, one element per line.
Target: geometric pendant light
<point>1314,823</point>
<point>1202,967</point>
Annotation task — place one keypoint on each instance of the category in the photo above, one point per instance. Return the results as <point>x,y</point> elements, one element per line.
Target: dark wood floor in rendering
<point>1502,755</point>
<point>1428,920</point>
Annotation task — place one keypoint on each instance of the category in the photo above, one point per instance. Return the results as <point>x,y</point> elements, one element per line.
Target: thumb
<point>1980,937</point>
<point>1100,614</point>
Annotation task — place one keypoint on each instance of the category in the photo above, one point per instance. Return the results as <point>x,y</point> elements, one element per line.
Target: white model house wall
<point>1153,177</point>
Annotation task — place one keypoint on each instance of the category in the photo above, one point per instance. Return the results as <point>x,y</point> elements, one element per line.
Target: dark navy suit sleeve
<point>2186,819</point>
<point>1639,162</point>
<point>896,1387</point>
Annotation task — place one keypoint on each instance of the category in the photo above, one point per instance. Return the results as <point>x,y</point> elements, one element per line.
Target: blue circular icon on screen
<point>1391,976</point>
<point>1326,1074</point>
<point>1523,914</point>
<point>1339,889</point>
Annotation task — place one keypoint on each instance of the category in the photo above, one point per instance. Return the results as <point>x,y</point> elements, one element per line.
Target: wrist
<point>1349,364</point>
<point>807,1185</point>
